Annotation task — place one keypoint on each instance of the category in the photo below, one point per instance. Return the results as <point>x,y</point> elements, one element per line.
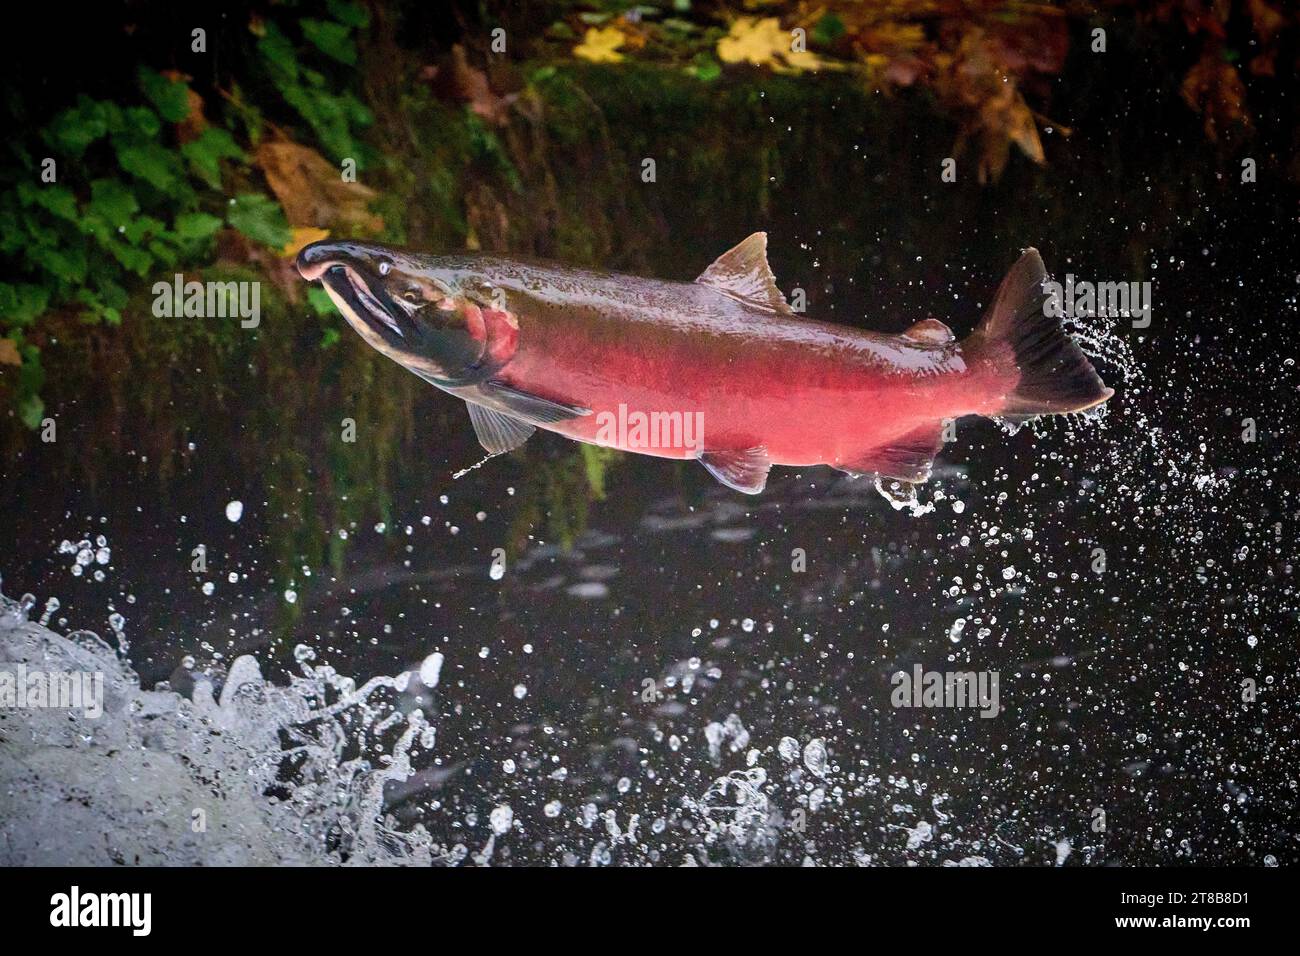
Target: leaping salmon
<point>719,369</point>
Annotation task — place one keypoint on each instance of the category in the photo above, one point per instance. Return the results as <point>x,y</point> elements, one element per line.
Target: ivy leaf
<point>169,97</point>
<point>260,219</point>
<point>332,39</point>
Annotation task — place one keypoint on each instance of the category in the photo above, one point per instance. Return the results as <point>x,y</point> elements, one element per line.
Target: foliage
<point>108,196</point>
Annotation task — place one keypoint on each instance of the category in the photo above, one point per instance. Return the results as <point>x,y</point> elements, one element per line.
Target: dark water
<point>1121,690</point>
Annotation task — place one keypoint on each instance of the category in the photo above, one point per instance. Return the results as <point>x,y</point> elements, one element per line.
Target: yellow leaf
<point>764,43</point>
<point>302,236</point>
<point>9,353</point>
<point>600,46</point>
<point>754,41</point>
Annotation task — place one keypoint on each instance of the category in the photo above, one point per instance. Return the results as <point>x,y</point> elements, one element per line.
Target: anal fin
<point>906,458</point>
<point>743,470</point>
<point>498,433</point>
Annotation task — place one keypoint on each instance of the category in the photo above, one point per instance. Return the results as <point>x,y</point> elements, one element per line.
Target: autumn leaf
<point>763,42</point>
<point>754,41</point>
<point>1214,89</point>
<point>303,236</point>
<point>601,45</point>
<point>9,353</point>
<point>312,190</point>
<point>457,80</point>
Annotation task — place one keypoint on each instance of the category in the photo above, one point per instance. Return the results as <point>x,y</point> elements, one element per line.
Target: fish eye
<point>385,268</point>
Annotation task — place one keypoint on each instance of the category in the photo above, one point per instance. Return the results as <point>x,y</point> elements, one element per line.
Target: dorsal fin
<point>742,272</point>
<point>931,332</point>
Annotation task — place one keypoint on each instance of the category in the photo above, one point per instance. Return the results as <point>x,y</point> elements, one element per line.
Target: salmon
<point>718,370</point>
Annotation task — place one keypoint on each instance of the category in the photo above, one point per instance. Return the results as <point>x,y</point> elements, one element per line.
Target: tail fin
<point>1053,374</point>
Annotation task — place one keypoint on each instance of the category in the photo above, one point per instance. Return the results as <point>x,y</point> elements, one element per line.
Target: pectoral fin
<point>744,471</point>
<point>908,458</point>
<point>529,406</point>
<point>498,433</point>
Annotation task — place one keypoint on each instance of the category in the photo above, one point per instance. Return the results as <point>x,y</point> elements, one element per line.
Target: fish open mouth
<point>347,285</point>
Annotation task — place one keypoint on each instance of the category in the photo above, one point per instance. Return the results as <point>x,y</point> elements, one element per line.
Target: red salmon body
<point>720,369</point>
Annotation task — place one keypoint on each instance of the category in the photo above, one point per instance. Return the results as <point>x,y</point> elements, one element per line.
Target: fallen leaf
<point>601,46</point>
<point>9,353</point>
<point>754,41</point>
<point>312,190</point>
<point>303,236</point>
<point>763,42</point>
<point>1214,89</point>
<point>457,80</point>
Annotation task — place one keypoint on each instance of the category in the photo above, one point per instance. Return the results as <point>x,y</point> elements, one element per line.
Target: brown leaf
<point>1214,89</point>
<point>9,353</point>
<point>312,190</point>
<point>457,80</point>
<point>194,122</point>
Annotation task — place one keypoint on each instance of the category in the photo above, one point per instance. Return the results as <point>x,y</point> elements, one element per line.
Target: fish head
<point>433,318</point>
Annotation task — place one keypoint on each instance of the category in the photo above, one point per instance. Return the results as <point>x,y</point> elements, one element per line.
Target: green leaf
<point>142,227</point>
<point>169,97</point>
<point>195,226</point>
<point>346,11</point>
<point>23,303</point>
<point>57,200</point>
<point>31,410</point>
<point>705,68</point>
<point>320,301</point>
<point>74,129</point>
<point>279,55</point>
<point>260,219</point>
<point>141,122</point>
<point>828,29</point>
<point>332,39</point>
<point>66,264</point>
<point>112,202</point>
<point>206,152</point>
<point>151,162</point>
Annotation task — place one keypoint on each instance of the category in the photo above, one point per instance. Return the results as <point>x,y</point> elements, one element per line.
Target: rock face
<point>161,779</point>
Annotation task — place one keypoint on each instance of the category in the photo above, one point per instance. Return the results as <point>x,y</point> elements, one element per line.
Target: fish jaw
<point>400,306</point>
